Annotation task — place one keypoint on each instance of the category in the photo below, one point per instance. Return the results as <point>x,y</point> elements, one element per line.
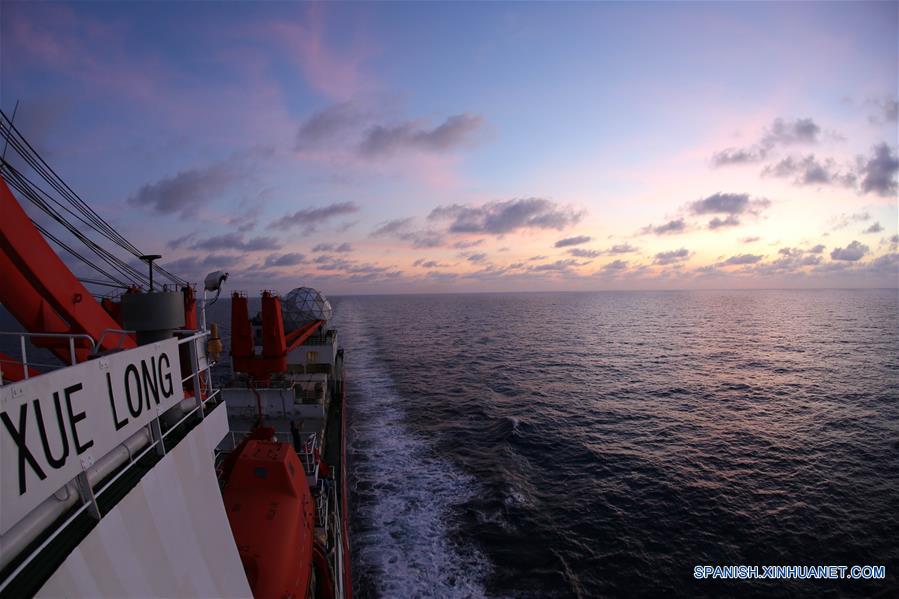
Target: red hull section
<point>345,490</point>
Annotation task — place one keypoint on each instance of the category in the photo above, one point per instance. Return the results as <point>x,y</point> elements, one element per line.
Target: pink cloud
<point>334,73</point>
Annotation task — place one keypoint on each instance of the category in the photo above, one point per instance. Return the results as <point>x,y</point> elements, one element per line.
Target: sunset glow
<point>377,148</point>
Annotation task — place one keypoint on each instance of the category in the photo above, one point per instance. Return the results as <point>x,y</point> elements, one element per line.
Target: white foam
<point>406,545</point>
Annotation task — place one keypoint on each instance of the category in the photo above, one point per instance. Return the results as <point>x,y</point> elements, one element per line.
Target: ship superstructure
<point>127,468</point>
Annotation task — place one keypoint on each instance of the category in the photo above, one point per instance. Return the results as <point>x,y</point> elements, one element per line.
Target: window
<point>311,356</point>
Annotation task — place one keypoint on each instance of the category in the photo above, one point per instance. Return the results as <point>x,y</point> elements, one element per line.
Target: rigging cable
<point>86,214</point>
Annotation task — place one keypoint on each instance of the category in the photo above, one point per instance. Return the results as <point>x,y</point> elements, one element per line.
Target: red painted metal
<point>275,344</point>
<point>12,369</point>
<point>241,333</point>
<point>113,308</point>
<point>272,518</point>
<point>39,290</point>
<point>190,308</point>
<point>324,581</point>
<point>298,336</point>
<point>344,491</point>
<point>35,314</point>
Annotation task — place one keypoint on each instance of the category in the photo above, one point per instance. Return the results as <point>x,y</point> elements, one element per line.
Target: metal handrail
<point>61,335</point>
<point>22,335</point>
<point>123,332</point>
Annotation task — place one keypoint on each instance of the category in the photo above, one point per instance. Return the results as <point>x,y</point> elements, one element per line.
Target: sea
<point>606,444</point>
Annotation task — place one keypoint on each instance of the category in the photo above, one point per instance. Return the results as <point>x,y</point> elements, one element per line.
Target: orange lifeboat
<point>272,516</point>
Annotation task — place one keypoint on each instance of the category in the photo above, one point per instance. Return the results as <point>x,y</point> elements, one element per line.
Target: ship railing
<point>89,491</point>
<point>23,348</point>
<point>306,453</point>
<point>323,498</point>
<point>337,556</point>
<point>122,333</point>
<point>94,347</point>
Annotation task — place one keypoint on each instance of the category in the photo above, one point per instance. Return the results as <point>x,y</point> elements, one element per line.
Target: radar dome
<point>302,305</point>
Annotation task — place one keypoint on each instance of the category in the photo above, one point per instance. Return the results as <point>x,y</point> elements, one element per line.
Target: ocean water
<point>603,444</point>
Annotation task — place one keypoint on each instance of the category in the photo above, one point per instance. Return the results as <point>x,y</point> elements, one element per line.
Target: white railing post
<point>195,371</point>
<point>72,351</point>
<point>24,356</point>
<point>87,495</point>
<point>156,434</point>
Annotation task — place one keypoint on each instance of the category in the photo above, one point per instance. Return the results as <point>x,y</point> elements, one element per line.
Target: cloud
<point>718,222</point>
<point>428,263</point>
<point>191,266</point>
<point>729,156</point>
<point>799,131</point>
<point>791,260</point>
<point>557,266</point>
<point>358,271</point>
<point>728,203</point>
<point>291,259</point>
<point>465,244</point>
<point>392,227</point>
<point>186,191</point>
<point>844,220</point>
<point>333,68</point>
<point>875,228</point>
<point>180,241</point>
<point>671,227</point>
<point>569,241</point>
<point>749,239</point>
<point>780,133</point>
<point>477,257</point>
<point>851,253</point>
<point>455,131</point>
<point>615,266</point>
<point>186,266</point>
<point>810,171</point>
<point>219,260</point>
<point>810,260</point>
<point>401,228</point>
<point>817,249</point>
<point>329,123</point>
<point>309,218</point>
<point>672,256</point>
<point>505,216</point>
<point>623,248</point>
<point>584,253</point>
<point>235,241</point>
<point>742,259</point>
<point>879,171</point>
<point>886,110</point>
<point>333,247</point>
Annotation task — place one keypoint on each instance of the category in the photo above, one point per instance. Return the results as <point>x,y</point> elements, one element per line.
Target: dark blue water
<point>602,444</point>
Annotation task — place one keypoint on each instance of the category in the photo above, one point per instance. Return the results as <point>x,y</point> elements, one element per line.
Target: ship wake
<point>403,495</point>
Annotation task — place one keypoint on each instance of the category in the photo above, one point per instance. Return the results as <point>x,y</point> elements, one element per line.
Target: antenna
<point>149,260</point>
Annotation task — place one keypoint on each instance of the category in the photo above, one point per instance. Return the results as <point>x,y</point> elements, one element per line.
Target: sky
<point>456,147</point>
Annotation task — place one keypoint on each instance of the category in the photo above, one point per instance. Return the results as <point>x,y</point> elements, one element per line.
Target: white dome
<point>302,305</point>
